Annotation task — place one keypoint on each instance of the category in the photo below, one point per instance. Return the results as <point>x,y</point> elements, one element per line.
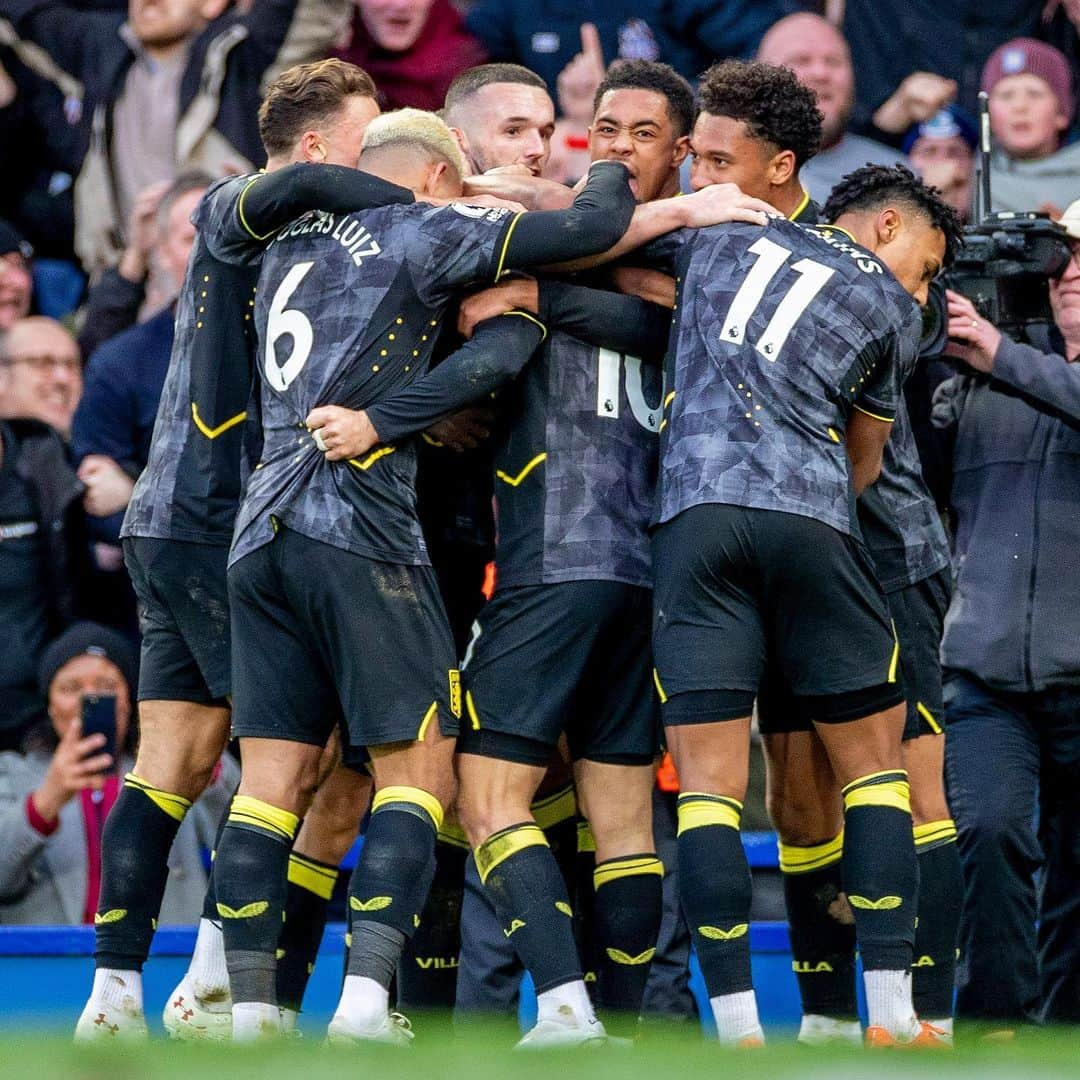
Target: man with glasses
<point>40,512</point>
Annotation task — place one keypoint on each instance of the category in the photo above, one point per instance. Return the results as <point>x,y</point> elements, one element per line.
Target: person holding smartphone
<point>55,797</point>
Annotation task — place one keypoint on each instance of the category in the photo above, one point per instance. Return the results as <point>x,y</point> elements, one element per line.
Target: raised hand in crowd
<point>578,81</point>
<point>142,232</point>
<point>920,96</point>
<point>75,766</point>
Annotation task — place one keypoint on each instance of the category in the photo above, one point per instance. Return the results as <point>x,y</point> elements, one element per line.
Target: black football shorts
<point>740,588</point>
<point>183,619</point>
<point>322,636</point>
<point>571,657</point>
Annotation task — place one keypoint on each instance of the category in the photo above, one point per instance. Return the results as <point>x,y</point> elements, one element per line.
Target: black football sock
<point>250,875</point>
<point>427,973</point>
<point>209,911</point>
<point>585,903</point>
<point>881,877</point>
<point>530,896</point>
<point>715,889</point>
<point>941,893</point>
<point>629,906</point>
<point>390,884</point>
<point>310,886</point>
<point>135,848</point>
<point>821,929</point>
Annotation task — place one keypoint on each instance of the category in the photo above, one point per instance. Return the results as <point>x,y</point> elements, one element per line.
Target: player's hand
<point>971,338</point>
<point>517,169</point>
<point>108,487</point>
<point>463,430</point>
<point>721,203</point>
<point>520,293</point>
<point>652,285</point>
<point>75,766</point>
<point>921,95</point>
<point>577,82</point>
<point>341,433</point>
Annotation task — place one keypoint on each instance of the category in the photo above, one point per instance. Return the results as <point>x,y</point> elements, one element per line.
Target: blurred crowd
<point>115,116</point>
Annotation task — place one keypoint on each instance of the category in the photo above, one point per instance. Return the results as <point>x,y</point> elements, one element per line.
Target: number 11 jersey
<point>781,332</point>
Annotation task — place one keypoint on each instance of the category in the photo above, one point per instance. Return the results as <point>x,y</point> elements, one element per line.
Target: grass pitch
<point>485,1055</point>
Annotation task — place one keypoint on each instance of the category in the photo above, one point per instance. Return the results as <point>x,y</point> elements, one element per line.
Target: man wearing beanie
<point>1031,107</point>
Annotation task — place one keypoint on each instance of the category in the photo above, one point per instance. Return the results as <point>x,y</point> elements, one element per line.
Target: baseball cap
<point>1026,56</point>
<point>11,240</point>
<point>946,124</point>
<point>1071,219</point>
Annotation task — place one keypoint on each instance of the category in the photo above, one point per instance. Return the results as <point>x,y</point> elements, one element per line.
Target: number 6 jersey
<point>781,332</point>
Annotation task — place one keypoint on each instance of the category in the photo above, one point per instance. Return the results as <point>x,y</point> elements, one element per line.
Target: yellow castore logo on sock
<point>630,961</point>
<point>886,903</point>
<point>565,908</point>
<point>110,916</point>
<point>416,921</point>
<point>714,933</point>
<point>248,911</point>
<point>376,903</point>
<point>516,925</point>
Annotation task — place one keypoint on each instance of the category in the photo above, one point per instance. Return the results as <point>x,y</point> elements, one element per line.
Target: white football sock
<point>289,1018</point>
<point>254,1020</point>
<point>208,971</point>
<point>119,988</point>
<point>573,994</point>
<point>818,1030</point>
<point>364,1003</point>
<point>888,1003</point>
<point>736,1017</point>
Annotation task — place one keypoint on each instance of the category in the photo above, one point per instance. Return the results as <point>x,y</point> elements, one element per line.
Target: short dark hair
<point>874,186</point>
<point>191,180</point>
<point>769,100</point>
<point>474,79</point>
<point>661,79</point>
<point>307,94</point>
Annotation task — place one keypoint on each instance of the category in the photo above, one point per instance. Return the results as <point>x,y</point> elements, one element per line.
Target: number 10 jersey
<point>781,332</point>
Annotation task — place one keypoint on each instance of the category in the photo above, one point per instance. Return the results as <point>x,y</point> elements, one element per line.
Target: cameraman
<point>1011,654</point>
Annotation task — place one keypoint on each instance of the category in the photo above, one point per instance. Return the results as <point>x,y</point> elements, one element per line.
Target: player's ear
<point>463,141</point>
<point>889,223</point>
<point>435,177</point>
<point>682,148</point>
<point>311,147</point>
<point>781,168</point>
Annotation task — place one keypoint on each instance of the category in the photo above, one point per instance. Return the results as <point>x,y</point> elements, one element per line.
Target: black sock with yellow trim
<point>715,889</point>
<point>135,848</point>
<point>584,894</point>
<point>310,886</point>
<point>209,910</point>
<point>250,879</point>
<point>881,876</point>
<point>628,908</point>
<point>941,893</point>
<point>392,878</point>
<point>530,897</point>
<point>821,928</point>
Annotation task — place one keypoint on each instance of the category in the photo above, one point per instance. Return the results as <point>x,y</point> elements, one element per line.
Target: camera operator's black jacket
<point>1014,622</point>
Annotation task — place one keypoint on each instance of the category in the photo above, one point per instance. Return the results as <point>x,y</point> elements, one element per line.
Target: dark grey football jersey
<point>348,311</point>
<point>576,472</point>
<point>190,487</point>
<point>781,331</point>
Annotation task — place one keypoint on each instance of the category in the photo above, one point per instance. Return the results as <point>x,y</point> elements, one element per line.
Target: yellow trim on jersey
<point>801,207</point>
<point>246,810</point>
<point>429,440</point>
<point>532,318</point>
<point>883,419</point>
<point>506,246</point>
<point>554,808</point>
<point>513,481</point>
<point>240,209</point>
<point>935,832</point>
<point>498,848</point>
<point>614,869</point>
<point>663,424</point>
<point>839,229</point>
<point>470,706</point>
<point>659,688</point>
<point>833,435</point>
<point>928,716</point>
<point>214,432</point>
<point>176,806</point>
<point>399,793</point>
<point>318,880</point>
<point>801,860</point>
<point>669,399</point>
<point>433,708</point>
<point>895,794</point>
<point>696,809</point>
<point>372,458</point>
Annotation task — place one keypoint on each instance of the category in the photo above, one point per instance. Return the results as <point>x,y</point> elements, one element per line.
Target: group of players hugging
<point>708,499</point>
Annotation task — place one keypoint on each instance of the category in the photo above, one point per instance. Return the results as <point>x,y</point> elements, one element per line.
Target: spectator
<point>54,801</point>
<point>16,276</point>
<point>413,49</point>
<point>1031,107</point>
<point>817,52</point>
<point>942,151</point>
<point>1011,654</point>
<point>42,542</point>
<point>175,87</point>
